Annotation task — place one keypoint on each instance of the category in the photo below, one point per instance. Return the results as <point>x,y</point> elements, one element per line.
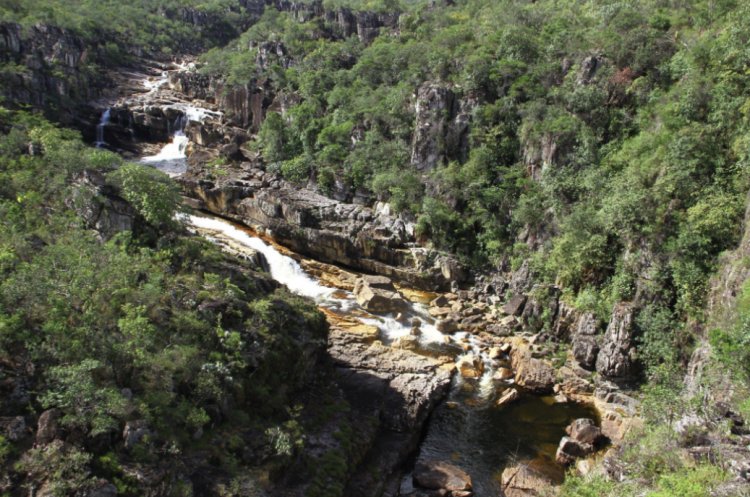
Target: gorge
<point>374,248</point>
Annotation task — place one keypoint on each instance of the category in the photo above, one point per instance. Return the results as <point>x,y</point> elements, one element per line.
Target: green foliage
<point>87,405</point>
<point>154,195</point>
<point>164,329</point>
<point>731,344</point>
<point>687,481</point>
<point>656,467</point>
<point>6,449</point>
<point>63,469</point>
<point>297,169</point>
<point>153,25</point>
<point>690,482</point>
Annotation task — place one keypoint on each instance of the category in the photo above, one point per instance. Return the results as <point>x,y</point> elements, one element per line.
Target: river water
<point>468,429</point>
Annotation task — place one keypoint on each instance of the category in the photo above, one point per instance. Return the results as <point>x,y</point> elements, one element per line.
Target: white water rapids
<point>465,429</point>
<point>288,272</point>
<point>283,269</point>
<point>172,159</point>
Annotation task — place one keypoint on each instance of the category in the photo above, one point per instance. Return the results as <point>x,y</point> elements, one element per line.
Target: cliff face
<point>52,69</point>
<point>309,223</point>
<point>725,288</point>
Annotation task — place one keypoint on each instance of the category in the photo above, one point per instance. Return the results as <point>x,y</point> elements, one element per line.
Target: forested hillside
<point>592,158</point>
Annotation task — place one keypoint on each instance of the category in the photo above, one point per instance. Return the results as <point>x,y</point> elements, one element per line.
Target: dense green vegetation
<point>164,26</point>
<point>608,141</point>
<point>608,148</point>
<point>151,326</point>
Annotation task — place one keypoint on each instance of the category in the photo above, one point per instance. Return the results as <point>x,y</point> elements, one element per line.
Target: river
<point>468,429</point>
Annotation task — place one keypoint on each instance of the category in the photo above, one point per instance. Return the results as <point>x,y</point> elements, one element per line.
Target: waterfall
<point>283,269</point>
<point>287,271</point>
<point>103,122</point>
<point>152,86</point>
<point>172,158</point>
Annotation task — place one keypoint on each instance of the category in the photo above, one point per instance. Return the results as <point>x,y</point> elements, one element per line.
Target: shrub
<point>153,194</point>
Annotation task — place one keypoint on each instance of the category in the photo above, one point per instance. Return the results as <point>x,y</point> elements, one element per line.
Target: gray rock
<point>447,325</point>
<point>135,432</point>
<point>433,108</point>
<point>377,294</point>
<point>514,306</point>
<point>585,350</point>
<point>569,450</point>
<point>48,426</point>
<point>584,431</point>
<point>616,359</point>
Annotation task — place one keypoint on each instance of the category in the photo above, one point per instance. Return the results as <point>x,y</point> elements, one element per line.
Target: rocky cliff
<point>309,223</point>
<point>52,69</point>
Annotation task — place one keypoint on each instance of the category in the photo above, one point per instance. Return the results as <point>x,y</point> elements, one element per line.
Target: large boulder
<point>584,342</point>
<point>584,430</point>
<point>514,306</point>
<point>569,450</point>
<point>470,366</point>
<point>438,475</point>
<point>533,374</point>
<point>585,351</point>
<point>617,358</point>
<point>377,294</point>
<point>583,439</point>
<point>48,426</point>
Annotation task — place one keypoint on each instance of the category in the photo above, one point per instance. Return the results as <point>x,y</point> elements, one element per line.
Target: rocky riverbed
<point>494,353</point>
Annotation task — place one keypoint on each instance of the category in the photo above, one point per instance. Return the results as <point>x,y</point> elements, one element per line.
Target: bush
<point>153,194</point>
<point>298,169</point>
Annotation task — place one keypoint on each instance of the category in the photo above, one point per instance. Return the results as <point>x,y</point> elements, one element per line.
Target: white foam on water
<point>199,114</point>
<point>155,84</point>
<point>283,269</point>
<point>287,271</point>
<point>171,151</point>
<point>171,159</point>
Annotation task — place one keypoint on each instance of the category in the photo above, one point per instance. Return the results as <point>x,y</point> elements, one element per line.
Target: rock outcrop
<point>527,479</point>
<point>441,127</point>
<point>441,475</point>
<point>584,343</point>
<point>54,76</point>
<point>377,294</point>
<point>316,226</point>
<point>533,374</point>
<point>392,393</point>
<point>617,359</point>
<point>582,440</point>
<point>101,207</point>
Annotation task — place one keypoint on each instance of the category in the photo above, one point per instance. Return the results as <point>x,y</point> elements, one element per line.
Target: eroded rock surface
<point>616,359</point>
<point>316,226</point>
<point>392,392</point>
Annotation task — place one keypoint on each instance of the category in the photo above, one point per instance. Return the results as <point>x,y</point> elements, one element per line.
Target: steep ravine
<point>385,346</point>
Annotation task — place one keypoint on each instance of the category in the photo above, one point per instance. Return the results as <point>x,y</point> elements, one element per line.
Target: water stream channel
<point>468,429</point>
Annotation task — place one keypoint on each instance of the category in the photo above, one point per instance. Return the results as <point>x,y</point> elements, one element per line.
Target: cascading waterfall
<point>172,158</point>
<point>283,269</point>
<point>469,429</point>
<point>287,271</point>
<point>103,122</point>
<point>465,429</point>
<point>154,85</point>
